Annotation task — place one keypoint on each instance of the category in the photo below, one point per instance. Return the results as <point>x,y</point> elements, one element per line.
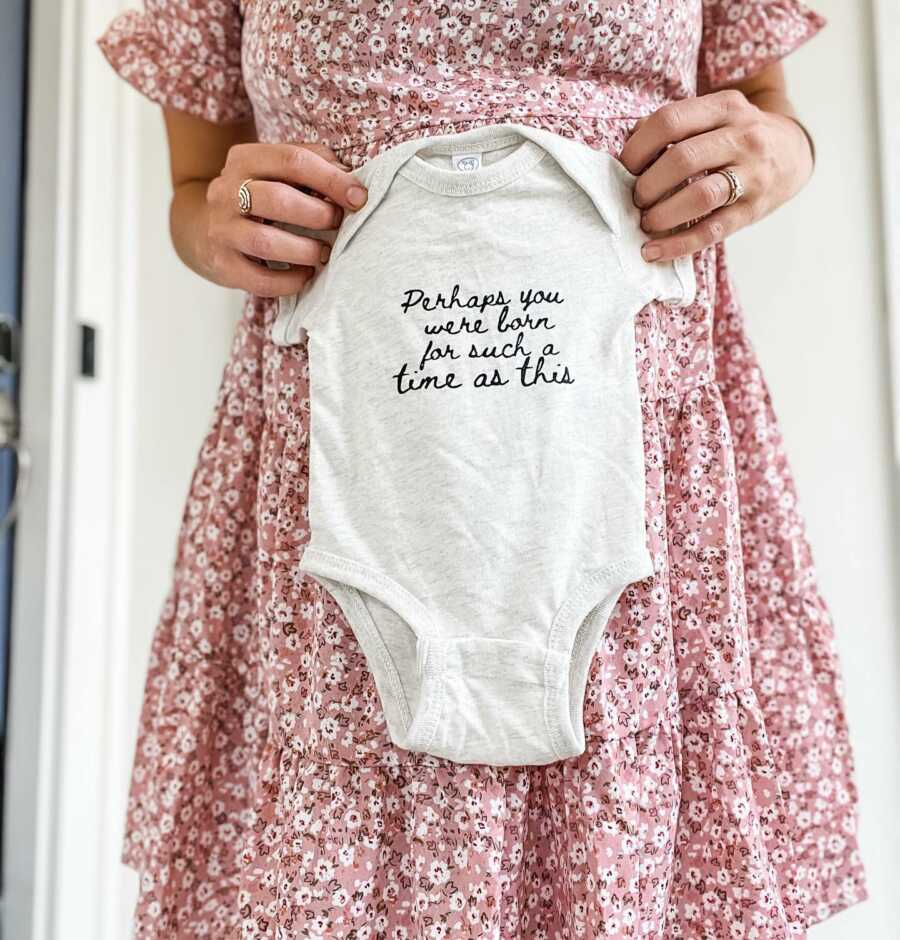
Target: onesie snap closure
<point>502,701</point>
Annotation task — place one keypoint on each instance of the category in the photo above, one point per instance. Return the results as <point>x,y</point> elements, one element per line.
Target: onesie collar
<point>579,161</point>
<point>483,180</point>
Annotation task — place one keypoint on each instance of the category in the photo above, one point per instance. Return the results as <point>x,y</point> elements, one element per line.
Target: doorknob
<point>9,437</point>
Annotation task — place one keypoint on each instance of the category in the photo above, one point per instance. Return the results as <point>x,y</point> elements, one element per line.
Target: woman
<point>715,796</point>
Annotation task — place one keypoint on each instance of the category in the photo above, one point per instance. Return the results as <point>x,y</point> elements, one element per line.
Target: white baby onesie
<point>476,501</point>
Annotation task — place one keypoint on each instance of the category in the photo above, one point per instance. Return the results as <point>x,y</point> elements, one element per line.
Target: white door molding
<point>94,744</point>
<point>887,38</point>
<point>68,743</point>
<point>39,567</point>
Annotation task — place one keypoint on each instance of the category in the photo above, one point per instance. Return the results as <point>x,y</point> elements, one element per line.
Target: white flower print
<point>265,792</point>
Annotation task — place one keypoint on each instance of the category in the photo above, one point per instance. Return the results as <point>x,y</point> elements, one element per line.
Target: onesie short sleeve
<point>184,55</point>
<point>741,37</point>
<point>673,282</point>
<point>297,311</point>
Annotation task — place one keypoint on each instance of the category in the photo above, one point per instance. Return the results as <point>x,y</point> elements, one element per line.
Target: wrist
<point>806,148</point>
<point>810,143</point>
<point>777,104</point>
<point>189,226</point>
<point>804,157</point>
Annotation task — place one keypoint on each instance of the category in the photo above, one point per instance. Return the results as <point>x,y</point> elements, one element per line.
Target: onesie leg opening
<point>388,625</point>
<point>576,632</point>
<point>389,646</point>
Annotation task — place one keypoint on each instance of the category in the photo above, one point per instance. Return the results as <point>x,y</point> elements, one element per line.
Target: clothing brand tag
<point>467,162</point>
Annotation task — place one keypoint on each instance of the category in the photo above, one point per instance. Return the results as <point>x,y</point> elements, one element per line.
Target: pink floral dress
<point>715,798</point>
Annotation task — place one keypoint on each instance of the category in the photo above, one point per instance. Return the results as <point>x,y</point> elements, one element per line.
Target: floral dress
<point>715,798</point>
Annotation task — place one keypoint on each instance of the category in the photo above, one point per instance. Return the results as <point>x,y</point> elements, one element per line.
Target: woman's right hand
<point>275,172</point>
<point>210,161</point>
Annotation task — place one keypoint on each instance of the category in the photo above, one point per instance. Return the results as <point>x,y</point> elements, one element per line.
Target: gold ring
<point>245,202</point>
<point>735,186</point>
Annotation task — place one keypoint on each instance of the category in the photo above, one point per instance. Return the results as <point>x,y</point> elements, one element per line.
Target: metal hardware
<point>9,343</point>
<point>88,350</point>
<point>9,437</point>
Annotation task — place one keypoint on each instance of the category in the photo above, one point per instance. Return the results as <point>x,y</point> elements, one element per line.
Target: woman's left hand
<point>768,151</point>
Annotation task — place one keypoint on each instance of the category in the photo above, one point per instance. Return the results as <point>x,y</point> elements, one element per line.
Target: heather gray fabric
<point>477,492</point>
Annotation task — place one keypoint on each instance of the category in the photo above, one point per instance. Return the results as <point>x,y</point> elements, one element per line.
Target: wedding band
<point>245,202</point>
<point>735,185</point>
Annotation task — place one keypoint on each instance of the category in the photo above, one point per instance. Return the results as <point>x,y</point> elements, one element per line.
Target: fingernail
<point>651,252</point>
<point>356,196</point>
<point>325,254</point>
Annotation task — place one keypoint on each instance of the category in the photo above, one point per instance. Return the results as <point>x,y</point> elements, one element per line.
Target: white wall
<point>811,280</point>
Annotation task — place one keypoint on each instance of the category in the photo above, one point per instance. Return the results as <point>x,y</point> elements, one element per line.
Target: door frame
<point>36,635</point>
<point>68,746</point>
<point>886,33</point>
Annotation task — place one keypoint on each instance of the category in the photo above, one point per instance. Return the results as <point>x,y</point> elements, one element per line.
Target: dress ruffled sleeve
<point>741,37</point>
<point>183,54</point>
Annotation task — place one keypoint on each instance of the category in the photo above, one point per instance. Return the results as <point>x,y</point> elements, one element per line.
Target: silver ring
<point>736,187</point>
<point>245,202</point>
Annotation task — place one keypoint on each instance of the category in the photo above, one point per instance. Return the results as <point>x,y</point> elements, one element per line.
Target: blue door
<point>13,58</point>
